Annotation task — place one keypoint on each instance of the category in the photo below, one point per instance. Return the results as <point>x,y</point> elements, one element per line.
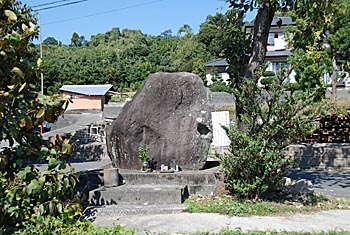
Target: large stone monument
<point>171,114</point>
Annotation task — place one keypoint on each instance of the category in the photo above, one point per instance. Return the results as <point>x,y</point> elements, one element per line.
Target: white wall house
<point>276,55</point>
<point>277,48</point>
<point>217,67</point>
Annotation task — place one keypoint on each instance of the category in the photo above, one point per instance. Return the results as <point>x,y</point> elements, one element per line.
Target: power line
<point>65,4</point>
<point>105,12</point>
<point>50,3</point>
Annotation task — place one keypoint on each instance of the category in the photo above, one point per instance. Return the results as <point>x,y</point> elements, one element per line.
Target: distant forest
<point>124,58</point>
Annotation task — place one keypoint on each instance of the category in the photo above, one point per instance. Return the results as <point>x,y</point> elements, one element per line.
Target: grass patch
<point>122,96</point>
<point>233,206</point>
<point>230,108</point>
<point>239,232</point>
<point>56,226</point>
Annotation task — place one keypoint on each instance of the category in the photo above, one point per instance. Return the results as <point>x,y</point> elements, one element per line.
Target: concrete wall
<point>112,110</point>
<point>84,101</point>
<point>223,99</point>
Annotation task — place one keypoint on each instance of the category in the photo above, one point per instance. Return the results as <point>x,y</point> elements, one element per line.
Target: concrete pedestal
<point>111,177</point>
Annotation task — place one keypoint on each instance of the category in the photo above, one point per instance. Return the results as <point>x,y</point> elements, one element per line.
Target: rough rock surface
<point>301,186</point>
<point>171,113</point>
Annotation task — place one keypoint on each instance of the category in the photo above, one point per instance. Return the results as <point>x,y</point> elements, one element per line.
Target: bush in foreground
<point>271,118</point>
<point>56,226</point>
<point>27,194</point>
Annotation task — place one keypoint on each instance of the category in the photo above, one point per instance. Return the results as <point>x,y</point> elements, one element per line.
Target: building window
<point>274,36</point>
<point>276,66</point>
<point>271,39</point>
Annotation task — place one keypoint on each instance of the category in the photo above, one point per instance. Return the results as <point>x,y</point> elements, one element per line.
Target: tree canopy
<point>320,41</point>
<point>123,58</point>
<point>27,194</point>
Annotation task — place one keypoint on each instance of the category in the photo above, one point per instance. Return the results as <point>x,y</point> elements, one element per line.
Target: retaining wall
<point>321,156</point>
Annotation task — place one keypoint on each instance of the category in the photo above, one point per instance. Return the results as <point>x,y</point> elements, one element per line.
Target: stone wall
<point>321,156</point>
<point>90,144</point>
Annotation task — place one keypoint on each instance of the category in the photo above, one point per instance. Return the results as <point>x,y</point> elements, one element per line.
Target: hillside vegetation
<point>123,58</point>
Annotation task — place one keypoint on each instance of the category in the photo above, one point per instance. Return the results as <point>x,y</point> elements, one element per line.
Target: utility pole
<point>41,57</point>
<point>41,34</point>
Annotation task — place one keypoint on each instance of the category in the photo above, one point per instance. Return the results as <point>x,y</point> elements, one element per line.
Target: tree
<point>77,40</point>
<point>198,68</point>
<point>321,32</point>
<point>123,58</point>
<point>267,123</point>
<point>262,24</point>
<point>50,41</point>
<point>167,33</point>
<point>185,29</point>
<point>236,45</point>
<point>27,194</point>
<point>211,33</point>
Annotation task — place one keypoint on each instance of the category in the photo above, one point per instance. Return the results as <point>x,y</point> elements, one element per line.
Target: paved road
<point>334,183</point>
<point>70,122</point>
<point>185,223</point>
<point>331,183</point>
<point>75,122</point>
<point>328,182</point>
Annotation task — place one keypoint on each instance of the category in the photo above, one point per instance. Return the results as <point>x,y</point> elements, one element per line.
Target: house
<point>277,48</point>
<point>276,55</point>
<point>87,96</point>
<point>217,67</point>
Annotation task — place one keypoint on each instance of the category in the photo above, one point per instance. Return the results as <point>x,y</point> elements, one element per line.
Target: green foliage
<point>50,41</point>
<point>198,68</point>
<point>269,74</point>
<point>143,152</point>
<point>309,68</point>
<point>319,36</point>
<point>219,86</point>
<point>234,206</point>
<point>249,5</point>
<point>123,58</point>
<point>236,45</point>
<point>27,194</point>
<point>77,40</point>
<point>211,33</point>
<point>238,231</point>
<point>58,226</point>
<point>271,120</point>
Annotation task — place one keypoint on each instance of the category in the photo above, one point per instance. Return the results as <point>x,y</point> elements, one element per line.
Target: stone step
<point>196,178</point>
<point>89,180</point>
<point>92,212</point>
<point>139,195</point>
<point>198,182</point>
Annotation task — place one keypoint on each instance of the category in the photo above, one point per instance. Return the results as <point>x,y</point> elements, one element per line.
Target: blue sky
<point>150,16</point>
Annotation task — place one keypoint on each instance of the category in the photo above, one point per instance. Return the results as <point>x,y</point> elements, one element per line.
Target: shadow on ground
<point>332,183</point>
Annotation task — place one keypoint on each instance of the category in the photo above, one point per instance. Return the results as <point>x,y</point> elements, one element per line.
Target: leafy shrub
<point>143,152</point>
<point>27,194</point>
<point>219,86</point>
<point>270,120</point>
<point>269,74</point>
<point>58,226</point>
